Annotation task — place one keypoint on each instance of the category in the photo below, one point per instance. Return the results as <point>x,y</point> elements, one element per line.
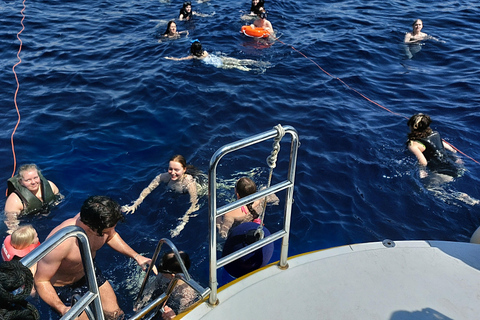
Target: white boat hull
<point>412,280</point>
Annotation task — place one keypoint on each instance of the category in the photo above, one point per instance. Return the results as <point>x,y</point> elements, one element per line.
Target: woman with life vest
<point>430,149</point>
<point>28,193</point>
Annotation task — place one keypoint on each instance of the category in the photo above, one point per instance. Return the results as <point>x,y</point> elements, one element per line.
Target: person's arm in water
<point>180,59</point>
<point>13,208</point>
<point>155,182</point>
<point>417,149</point>
<point>192,191</point>
<point>116,242</point>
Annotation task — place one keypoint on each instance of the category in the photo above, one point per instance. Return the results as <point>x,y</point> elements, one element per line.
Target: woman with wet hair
<point>429,148</point>
<point>172,32</point>
<point>256,5</point>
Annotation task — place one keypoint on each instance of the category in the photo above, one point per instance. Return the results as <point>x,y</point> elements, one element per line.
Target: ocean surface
<point>102,112</point>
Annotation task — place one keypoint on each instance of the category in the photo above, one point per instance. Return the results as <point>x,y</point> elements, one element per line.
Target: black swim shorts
<point>66,293</point>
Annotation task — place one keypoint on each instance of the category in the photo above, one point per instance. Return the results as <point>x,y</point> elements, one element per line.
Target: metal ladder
<point>287,184</point>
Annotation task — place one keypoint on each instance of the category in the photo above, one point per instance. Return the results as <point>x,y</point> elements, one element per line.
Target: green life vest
<point>31,204</point>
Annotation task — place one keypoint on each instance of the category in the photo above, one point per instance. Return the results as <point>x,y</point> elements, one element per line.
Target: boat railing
<point>184,276</point>
<point>92,296</point>
<point>214,213</point>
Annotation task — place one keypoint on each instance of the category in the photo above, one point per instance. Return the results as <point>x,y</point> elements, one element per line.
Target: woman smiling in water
<point>172,32</point>
<point>178,180</point>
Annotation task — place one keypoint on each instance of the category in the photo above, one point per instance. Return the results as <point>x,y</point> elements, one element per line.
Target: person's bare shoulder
<point>66,223</point>
<point>13,204</point>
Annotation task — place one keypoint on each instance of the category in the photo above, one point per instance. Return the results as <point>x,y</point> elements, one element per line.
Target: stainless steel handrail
<point>287,185</point>
<point>93,294</point>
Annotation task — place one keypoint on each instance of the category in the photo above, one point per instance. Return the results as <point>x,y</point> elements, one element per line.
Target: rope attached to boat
<point>362,95</point>
<point>272,163</point>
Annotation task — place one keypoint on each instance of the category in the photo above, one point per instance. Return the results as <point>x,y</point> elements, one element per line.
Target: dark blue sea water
<point>102,111</point>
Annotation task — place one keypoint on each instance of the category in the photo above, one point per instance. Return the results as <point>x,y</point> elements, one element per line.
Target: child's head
<point>170,263</point>
<point>23,237</point>
<point>20,243</point>
<point>244,187</point>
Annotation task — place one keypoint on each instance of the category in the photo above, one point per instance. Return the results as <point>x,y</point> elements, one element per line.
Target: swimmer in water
<point>248,213</point>
<point>178,179</point>
<point>186,12</point>
<point>416,35</point>
<point>197,52</point>
<point>436,158</point>
<point>256,6</point>
<point>414,39</point>
<point>172,32</point>
<point>262,22</point>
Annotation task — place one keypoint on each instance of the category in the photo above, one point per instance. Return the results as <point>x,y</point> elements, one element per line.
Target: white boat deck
<point>412,280</point>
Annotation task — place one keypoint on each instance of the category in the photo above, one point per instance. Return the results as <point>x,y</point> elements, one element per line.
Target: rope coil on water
<point>272,163</point>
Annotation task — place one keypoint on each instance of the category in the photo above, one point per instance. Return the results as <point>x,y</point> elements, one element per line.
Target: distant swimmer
<point>254,9</point>
<point>416,35</point>
<point>197,52</point>
<point>256,6</point>
<point>262,22</point>
<point>172,32</point>
<point>28,193</point>
<point>186,12</point>
<point>434,156</point>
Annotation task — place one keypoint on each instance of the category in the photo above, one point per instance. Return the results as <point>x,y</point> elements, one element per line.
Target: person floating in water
<point>186,12</point>
<point>248,213</point>
<point>197,52</point>
<point>177,179</point>
<point>172,32</point>
<point>262,22</point>
<point>435,157</point>
<point>413,40</point>
<point>256,6</point>
<point>28,193</point>
<point>430,149</point>
<point>254,9</point>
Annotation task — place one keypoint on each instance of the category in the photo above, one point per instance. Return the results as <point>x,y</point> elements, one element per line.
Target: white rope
<point>272,163</point>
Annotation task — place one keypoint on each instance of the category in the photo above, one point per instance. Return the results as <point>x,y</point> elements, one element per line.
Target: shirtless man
<point>60,274</point>
<point>262,21</point>
<point>28,193</point>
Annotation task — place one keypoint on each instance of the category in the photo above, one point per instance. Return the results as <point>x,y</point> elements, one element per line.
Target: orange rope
<point>18,87</point>
<point>363,96</point>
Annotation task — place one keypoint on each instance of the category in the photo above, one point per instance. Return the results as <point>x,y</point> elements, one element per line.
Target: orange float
<point>255,32</point>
